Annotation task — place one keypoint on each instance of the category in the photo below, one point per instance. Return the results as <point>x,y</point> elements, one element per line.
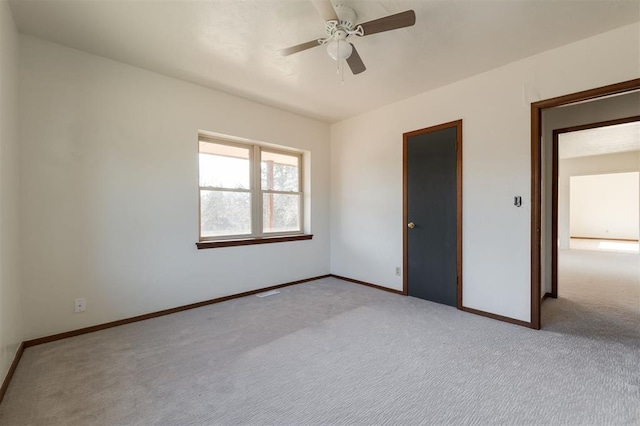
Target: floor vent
<point>268,293</point>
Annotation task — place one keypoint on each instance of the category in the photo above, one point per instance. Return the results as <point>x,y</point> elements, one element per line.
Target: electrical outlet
<point>80,305</point>
<point>398,271</point>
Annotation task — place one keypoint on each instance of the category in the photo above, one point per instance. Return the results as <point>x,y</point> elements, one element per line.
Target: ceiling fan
<point>341,24</point>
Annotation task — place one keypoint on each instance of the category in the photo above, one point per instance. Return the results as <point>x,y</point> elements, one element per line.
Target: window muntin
<point>248,191</point>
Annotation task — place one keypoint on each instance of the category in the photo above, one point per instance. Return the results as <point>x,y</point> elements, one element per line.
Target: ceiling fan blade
<point>391,22</point>
<point>299,48</point>
<point>325,9</point>
<point>355,62</point>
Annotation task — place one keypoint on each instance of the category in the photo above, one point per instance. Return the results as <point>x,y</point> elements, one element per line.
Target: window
<point>248,191</point>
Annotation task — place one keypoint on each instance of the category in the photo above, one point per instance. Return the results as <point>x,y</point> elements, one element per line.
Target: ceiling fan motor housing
<point>346,15</point>
<point>344,27</point>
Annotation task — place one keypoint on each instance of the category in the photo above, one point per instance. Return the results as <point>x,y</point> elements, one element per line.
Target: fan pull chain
<point>340,64</point>
<point>338,60</point>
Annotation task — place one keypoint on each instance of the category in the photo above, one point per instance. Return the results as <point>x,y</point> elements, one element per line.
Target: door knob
<point>411,225</point>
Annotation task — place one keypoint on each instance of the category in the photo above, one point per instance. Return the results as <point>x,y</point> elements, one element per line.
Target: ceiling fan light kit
<point>340,24</point>
<point>339,50</point>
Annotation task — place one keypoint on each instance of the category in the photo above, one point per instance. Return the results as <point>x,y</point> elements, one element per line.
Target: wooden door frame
<point>536,177</point>
<point>554,190</point>
<point>405,261</point>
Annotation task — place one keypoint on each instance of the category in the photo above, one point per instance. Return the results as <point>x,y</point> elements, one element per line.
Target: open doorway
<point>591,106</point>
<point>595,190</point>
<point>596,197</point>
<point>595,262</point>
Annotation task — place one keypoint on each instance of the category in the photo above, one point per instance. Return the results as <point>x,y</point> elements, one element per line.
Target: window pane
<point>224,166</point>
<point>280,212</point>
<point>224,213</point>
<point>279,172</point>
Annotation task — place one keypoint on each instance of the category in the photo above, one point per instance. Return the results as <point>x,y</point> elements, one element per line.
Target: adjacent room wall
<point>11,327</point>
<point>110,191</point>
<point>604,206</point>
<point>366,160</point>
<point>593,165</point>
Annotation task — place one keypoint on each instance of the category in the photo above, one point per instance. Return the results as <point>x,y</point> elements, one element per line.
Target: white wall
<point>600,110</point>
<point>604,206</point>
<point>110,196</point>
<point>366,185</point>
<point>11,326</point>
<point>593,165</point>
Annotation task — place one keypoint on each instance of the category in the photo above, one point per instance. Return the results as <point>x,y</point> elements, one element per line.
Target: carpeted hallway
<point>598,296</point>
<point>332,352</point>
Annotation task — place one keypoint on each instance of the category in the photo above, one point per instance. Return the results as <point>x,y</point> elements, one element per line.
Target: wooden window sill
<point>251,241</point>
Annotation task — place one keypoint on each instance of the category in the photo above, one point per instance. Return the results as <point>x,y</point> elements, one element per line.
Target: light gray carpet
<point>598,296</point>
<point>332,352</point>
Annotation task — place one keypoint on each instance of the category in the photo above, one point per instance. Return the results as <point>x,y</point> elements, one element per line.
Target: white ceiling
<point>232,45</point>
<point>601,140</point>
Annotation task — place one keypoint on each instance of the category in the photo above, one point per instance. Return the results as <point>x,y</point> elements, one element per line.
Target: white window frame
<point>256,192</point>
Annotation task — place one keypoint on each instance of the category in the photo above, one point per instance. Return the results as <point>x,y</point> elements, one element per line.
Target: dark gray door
<point>431,210</point>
